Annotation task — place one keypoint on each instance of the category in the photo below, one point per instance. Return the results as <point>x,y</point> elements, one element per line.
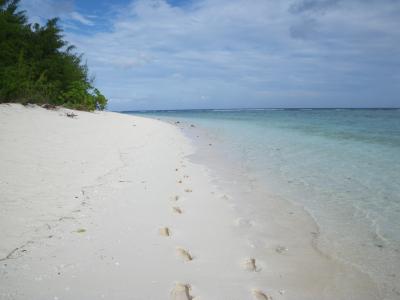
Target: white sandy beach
<point>108,206</point>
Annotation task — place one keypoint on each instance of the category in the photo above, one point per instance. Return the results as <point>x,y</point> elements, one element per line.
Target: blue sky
<point>177,54</point>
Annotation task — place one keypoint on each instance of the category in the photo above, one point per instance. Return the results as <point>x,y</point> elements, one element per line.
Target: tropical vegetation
<point>38,66</point>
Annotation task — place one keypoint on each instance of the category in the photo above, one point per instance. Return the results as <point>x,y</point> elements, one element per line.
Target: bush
<point>38,66</point>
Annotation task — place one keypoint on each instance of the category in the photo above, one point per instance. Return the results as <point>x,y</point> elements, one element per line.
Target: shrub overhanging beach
<point>37,65</point>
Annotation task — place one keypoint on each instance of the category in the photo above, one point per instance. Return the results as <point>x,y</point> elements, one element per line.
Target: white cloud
<point>41,10</point>
<point>245,53</point>
<point>82,19</point>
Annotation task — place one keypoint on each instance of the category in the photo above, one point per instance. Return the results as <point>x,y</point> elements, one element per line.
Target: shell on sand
<point>184,254</point>
<point>164,231</point>
<point>258,295</point>
<point>250,264</point>
<point>181,292</point>
<point>177,210</point>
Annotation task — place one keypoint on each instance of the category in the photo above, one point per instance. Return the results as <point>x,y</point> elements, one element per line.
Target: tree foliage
<point>38,66</point>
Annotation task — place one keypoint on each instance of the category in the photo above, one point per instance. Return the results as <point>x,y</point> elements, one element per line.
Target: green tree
<point>38,66</point>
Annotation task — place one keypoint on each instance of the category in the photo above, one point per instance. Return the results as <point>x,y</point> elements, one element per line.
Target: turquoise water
<point>341,165</point>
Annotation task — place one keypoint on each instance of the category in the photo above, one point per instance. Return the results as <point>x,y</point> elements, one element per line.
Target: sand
<point>108,206</point>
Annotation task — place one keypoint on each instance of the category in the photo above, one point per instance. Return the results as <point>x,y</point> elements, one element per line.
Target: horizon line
<point>257,108</point>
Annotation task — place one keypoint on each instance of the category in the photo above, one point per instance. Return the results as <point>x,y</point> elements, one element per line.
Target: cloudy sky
<point>175,54</point>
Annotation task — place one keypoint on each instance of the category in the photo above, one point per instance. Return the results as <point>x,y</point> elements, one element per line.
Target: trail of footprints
<point>182,291</point>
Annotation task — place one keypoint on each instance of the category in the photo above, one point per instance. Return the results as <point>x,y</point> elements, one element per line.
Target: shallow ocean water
<point>341,165</point>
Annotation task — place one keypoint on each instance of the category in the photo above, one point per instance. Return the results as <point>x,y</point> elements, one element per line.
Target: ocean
<point>341,165</point>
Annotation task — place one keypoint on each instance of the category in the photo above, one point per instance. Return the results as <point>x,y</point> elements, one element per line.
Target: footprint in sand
<point>242,222</point>
<point>164,231</point>
<point>176,210</point>
<point>255,243</point>
<point>250,265</point>
<point>185,255</point>
<point>181,292</point>
<point>258,295</point>
<point>281,249</point>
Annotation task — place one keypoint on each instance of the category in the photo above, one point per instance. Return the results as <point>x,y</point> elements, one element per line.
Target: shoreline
<point>92,193</point>
<point>257,196</point>
<point>215,158</point>
<point>304,158</point>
